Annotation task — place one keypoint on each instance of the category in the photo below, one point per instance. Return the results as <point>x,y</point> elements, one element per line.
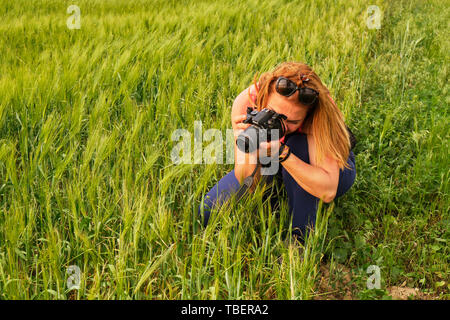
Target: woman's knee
<point>217,195</point>
<point>302,205</point>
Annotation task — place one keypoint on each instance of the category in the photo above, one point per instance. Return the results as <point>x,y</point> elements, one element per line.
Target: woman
<point>315,157</point>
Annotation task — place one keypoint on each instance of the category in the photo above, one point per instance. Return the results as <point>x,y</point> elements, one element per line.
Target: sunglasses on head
<point>287,88</point>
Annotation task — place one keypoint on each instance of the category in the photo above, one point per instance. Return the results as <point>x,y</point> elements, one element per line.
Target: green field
<point>86,176</point>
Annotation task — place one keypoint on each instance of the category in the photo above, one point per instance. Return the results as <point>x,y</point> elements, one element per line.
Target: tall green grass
<point>86,176</point>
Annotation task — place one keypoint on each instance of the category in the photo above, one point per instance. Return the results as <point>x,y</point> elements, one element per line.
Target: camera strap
<point>248,182</point>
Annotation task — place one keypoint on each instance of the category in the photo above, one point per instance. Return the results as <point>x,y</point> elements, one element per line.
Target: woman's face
<point>289,107</point>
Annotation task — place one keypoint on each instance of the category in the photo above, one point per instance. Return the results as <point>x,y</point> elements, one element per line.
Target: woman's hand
<point>238,124</point>
<point>269,148</point>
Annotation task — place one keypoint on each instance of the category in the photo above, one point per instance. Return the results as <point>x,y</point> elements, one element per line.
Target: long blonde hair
<point>325,121</point>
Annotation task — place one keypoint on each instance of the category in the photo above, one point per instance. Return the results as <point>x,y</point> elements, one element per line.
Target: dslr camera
<point>262,124</point>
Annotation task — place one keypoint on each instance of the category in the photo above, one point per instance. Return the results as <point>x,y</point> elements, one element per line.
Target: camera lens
<point>247,141</point>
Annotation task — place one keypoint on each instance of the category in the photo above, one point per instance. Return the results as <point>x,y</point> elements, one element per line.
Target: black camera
<point>262,124</point>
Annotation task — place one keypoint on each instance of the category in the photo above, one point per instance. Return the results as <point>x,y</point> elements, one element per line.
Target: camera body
<point>262,124</point>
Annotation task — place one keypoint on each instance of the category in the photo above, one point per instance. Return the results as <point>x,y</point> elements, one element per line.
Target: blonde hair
<point>325,121</point>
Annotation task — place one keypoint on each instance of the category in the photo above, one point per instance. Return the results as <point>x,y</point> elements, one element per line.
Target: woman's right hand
<point>238,124</point>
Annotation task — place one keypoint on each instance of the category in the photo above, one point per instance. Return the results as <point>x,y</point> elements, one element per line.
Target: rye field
<point>88,187</point>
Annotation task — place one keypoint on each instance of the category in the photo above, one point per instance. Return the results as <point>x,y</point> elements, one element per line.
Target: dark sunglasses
<point>306,96</point>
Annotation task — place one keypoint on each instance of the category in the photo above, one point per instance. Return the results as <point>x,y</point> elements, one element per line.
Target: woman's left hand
<point>269,148</point>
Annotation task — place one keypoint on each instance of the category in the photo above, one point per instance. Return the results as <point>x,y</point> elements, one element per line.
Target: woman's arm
<point>320,181</point>
<point>244,163</point>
